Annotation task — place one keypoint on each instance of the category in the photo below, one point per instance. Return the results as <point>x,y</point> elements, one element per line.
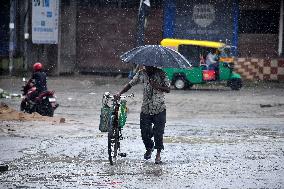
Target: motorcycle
<point>44,104</point>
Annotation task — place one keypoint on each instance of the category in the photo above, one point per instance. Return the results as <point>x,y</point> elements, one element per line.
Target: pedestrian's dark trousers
<point>153,125</point>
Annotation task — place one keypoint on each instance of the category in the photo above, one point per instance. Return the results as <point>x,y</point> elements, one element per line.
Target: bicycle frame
<point>116,121</point>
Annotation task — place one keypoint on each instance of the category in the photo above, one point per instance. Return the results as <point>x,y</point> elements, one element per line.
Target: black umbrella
<point>157,56</point>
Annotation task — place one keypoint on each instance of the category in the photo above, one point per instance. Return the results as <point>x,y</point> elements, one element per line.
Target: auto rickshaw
<point>195,52</point>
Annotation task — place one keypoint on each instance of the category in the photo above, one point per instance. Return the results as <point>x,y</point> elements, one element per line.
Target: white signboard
<point>203,14</point>
<point>45,21</point>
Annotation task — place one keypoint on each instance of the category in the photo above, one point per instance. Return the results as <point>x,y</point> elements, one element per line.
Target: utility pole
<point>280,44</point>
<point>12,35</point>
<point>144,10</point>
<point>26,33</point>
<point>59,39</point>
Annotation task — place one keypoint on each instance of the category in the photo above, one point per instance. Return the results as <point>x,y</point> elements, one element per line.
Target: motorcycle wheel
<point>28,107</point>
<point>45,109</point>
<point>23,106</point>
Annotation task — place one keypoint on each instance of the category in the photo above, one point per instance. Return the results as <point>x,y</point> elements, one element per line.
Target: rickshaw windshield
<point>226,51</point>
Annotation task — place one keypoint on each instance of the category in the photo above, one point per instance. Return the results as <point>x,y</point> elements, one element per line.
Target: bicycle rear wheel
<point>113,141</point>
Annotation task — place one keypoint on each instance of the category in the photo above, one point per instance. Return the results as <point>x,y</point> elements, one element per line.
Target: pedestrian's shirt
<point>153,100</point>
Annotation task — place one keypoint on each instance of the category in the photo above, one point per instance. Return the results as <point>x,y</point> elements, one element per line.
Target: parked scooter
<point>44,104</point>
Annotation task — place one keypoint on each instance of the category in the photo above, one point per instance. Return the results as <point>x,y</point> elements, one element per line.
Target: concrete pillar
<point>26,33</point>
<point>67,36</point>
<point>280,46</point>
<point>12,26</point>
<point>58,65</point>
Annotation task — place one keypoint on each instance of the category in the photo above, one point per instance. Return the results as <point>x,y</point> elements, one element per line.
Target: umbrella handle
<point>133,72</point>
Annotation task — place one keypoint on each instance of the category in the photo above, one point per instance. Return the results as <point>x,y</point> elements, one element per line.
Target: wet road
<point>215,138</point>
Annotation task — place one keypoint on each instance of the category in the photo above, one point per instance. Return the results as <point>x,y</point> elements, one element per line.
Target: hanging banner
<point>45,21</point>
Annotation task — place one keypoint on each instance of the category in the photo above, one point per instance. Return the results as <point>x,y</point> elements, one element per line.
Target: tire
<point>45,108</point>
<point>113,140</point>
<point>180,83</point>
<point>235,84</point>
<point>29,108</point>
<point>23,106</point>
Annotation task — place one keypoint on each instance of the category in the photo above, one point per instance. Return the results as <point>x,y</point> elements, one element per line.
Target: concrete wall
<point>258,45</point>
<point>258,28</point>
<point>103,34</point>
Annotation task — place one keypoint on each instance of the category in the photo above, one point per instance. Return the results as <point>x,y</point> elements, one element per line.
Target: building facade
<point>92,34</point>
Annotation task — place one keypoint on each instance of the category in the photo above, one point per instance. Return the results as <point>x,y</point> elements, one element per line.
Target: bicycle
<point>113,119</point>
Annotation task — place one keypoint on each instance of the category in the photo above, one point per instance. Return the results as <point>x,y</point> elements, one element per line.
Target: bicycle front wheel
<point>113,141</point>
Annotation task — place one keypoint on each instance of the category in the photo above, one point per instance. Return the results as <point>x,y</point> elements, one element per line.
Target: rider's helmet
<point>37,66</point>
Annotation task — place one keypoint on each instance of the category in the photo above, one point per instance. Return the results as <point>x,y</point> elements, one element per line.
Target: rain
<point>224,124</point>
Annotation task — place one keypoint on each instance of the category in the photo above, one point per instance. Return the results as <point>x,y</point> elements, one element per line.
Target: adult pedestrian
<point>153,110</point>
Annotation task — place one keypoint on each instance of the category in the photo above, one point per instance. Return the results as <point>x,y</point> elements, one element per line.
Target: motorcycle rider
<point>36,96</point>
<point>39,79</point>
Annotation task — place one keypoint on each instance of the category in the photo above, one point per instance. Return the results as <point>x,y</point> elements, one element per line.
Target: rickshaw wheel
<point>180,83</point>
<point>235,84</point>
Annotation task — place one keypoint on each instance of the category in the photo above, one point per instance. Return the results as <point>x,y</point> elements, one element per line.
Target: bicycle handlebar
<point>108,96</point>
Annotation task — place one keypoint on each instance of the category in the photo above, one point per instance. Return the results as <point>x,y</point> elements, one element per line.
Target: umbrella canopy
<point>157,56</point>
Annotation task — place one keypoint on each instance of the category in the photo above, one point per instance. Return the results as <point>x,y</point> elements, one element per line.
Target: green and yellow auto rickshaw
<point>195,51</point>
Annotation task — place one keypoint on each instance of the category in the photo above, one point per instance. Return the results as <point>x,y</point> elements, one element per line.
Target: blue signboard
<point>214,20</point>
